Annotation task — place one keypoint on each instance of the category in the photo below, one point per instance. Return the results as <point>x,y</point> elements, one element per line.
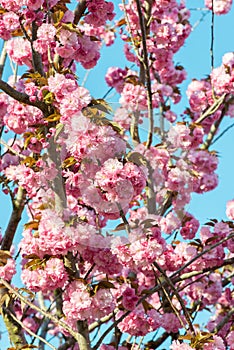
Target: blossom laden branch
<point>48,315</point>
<point>79,11</point>
<point>212,109</point>
<point>22,97</point>
<point>28,330</point>
<point>171,284</point>
<point>145,63</point>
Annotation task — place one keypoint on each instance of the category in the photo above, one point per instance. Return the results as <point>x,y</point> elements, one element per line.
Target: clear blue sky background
<point>195,57</point>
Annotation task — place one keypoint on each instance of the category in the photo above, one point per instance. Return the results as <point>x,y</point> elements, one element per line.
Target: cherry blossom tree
<point>110,257</point>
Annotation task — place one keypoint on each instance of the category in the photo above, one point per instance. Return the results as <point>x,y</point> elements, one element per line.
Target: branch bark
<point>18,207</point>
<point>77,336</point>
<point>79,11</point>
<point>14,329</point>
<point>145,63</point>
<point>21,97</point>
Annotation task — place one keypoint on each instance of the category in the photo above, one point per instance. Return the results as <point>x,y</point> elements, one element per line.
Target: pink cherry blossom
<point>221,7</point>
<point>176,345</point>
<point>19,50</point>
<point>230,209</point>
<point>8,270</point>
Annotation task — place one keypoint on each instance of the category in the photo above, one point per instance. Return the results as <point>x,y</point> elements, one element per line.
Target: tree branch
<point>14,329</point>
<point>147,73</point>
<point>58,185</point>
<point>212,109</point>
<point>21,97</point>
<point>68,344</point>
<point>18,207</point>
<point>36,57</point>
<point>223,321</point>
<point>48,315</point>
<point>180,300</point>
<point>3,59</point>
<point>79,11</point>
<point>31,332</point>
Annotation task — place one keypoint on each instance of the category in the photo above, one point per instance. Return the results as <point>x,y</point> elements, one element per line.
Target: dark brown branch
<point>109,329</point>
<point>222,323</point>
<point>36,57</point>
<point>79,11</point>
<point>21,97</point>
<point>18,207</point>
<point>68,344</point>
<point>180,300</point>
<point>147,73</point>
<point>155,344</point>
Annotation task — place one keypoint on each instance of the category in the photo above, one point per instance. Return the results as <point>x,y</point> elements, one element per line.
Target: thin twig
<point>223,321</point>
<point>79,11</point>
<point>212,36</point>
<point>180,300</point>
<point>199,255</point>
<point>31,332</point>
<point>158,287</point>
<point>3,59</point>
<point>222,133</point>
<point>205,270</point>
<point>12,150</point>
<point>212,109</point>
<point>107,331</point>
<point>196,24</point>
<point>102,320</point>
<point>125,221</point>
<point>212,133</point>
<point>48,315</point>
<point>156,343</point>
<point>147,75</point>
<point>169,299</point>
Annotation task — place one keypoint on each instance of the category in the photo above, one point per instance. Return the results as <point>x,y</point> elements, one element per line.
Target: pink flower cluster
<point>31,180</point>
<point>19,117</point>
<point>201,96</point>
<point>46,277</point>
<point>19,50</point>
<point>69,97</point>
<point>78,304</point>
<point>99,12</point>
<point>220,7</point>
<point>169,29</point>
<point>230,209</point>
<point>8,270</point>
